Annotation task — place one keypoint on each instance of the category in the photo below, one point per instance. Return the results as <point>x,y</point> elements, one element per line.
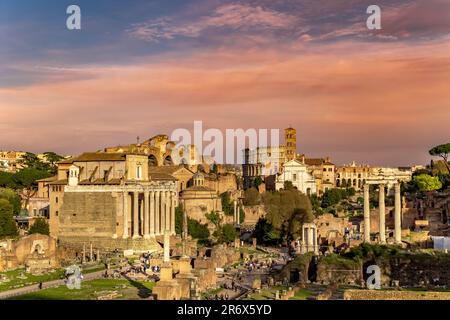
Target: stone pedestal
<point>167,290</point>
<point>166,272</point>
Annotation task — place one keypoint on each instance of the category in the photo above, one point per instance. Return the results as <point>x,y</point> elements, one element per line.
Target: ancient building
<point>198,199</point>
<point>112,201</point>
<point>36,252</point>
<point>267,161</point>
<point>352,175</point>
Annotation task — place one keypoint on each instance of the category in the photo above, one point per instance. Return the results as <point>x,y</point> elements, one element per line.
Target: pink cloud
<point>234,16</point>
<point>347,100</point>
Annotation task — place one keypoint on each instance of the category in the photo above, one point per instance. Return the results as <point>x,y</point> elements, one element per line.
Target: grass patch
<point>90,289</point>
<point>15,281</point>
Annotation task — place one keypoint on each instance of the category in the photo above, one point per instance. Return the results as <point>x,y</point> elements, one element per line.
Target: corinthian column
<point>152,213</point>
<point>366,214</point>
<point>163,211</point>
<point>125,215</point>
<point>172,213</point>
<point>146,216</point>
<point>135,215</point>
<point>397,215</point>
<point>382,209</point>
<point>167,211</point>
<point>157,212</point>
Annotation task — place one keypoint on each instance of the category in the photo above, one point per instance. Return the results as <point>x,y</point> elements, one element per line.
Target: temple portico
<point>382,185</point>
<point>309,238</point>
<point>148,213</point>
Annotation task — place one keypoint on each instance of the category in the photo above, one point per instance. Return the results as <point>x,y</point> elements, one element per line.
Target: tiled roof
<point>59,182</point>
<point>50,179</point>
<point>165,169</point>
<point>100,156</point>
<point>161,176</point>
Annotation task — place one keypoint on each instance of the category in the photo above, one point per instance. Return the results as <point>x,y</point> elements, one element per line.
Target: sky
<point>140,68</point>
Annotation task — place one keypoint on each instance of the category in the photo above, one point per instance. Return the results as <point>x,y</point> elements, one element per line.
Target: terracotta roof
<point>99,181</point>
<point>161,176</point>
<point>66,161</point>
<point>50,179</point>
<point>314,161</point>
<point>59,182</point>
<point>100,156</point>
<point>166,169</point>
<point>199,188</point>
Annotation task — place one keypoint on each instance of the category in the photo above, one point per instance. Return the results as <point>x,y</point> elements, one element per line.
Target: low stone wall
<point>395,295</point>
<point>332,269</point>
<point>111,244</point>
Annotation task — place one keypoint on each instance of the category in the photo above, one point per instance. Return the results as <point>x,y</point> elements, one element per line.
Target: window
<point>56,199</point>
<point>56,213</point>
<point>294,177</point>
<point>139,172</point>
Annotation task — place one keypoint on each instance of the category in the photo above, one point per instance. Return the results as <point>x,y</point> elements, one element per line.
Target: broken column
<point>381,205</point>
<point>366,214</point>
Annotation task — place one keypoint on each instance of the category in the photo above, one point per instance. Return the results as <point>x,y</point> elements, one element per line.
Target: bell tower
<point>290,140</point>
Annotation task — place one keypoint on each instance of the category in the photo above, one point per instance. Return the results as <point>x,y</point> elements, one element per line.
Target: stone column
<point>152,214</point>
<point>146,216</point>
<point>91,253</point>
<point>185,232</point>
<point>235,213</point>
<point>163,212</point>
<point>135,215</point>
<point>166,246</point>
<point>157,212</point>
<point>310,238</point>
<point>381,206</point>
<point>398,215</point>
<point>172,213</point>
<point>167,211</point>
<point>366,214</point>
<point>125,215</point>
<point>83,258</point>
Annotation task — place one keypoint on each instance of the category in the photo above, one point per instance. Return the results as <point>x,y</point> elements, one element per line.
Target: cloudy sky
<point>139,68</point>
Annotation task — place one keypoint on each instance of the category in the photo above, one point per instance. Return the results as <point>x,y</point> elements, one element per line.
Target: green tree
<point>25,182</point>
<point>8,227</point>
<point>425,182</point>
<point>52,158</point>
<point>179,219</point>
<point>265,232</point>
<point>198,230</point>
<point>257,181</point>
<point>227,205</point>
<point>40,226</point>
<point>241,215</point>
<point>251,197</point>
<point>226,233</point>
<point>6,180</point>
<point>442,151</point>
<point>282,208</point>
<point>12,197</point>
<point>214,218</point>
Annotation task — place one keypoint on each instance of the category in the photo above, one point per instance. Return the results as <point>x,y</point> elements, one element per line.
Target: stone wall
<point>88,214</point>
<point>395,295</point>
<point>253,213</point>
